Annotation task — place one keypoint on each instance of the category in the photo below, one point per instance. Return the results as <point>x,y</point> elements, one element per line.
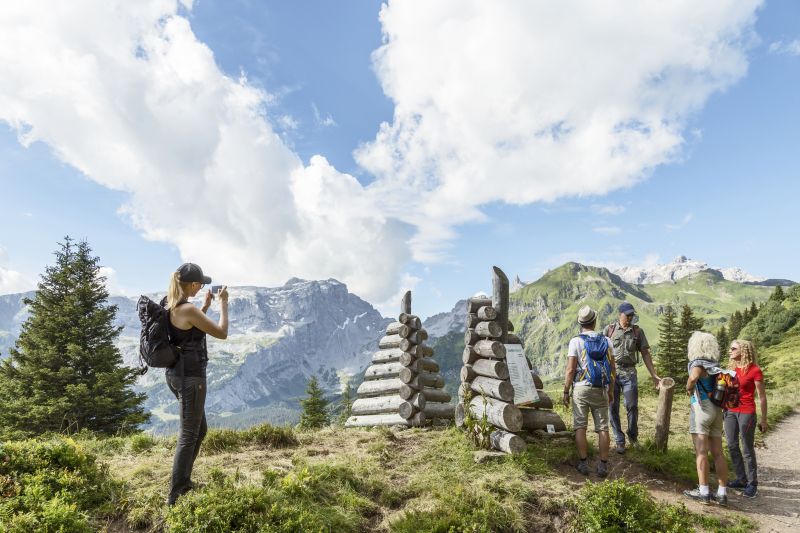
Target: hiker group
<point>601,373</point>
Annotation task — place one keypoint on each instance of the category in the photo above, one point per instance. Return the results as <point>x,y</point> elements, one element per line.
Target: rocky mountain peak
<point>679,268</point>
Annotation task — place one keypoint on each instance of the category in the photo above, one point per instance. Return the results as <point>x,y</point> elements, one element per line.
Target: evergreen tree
<point>778,294</point>
<point>723,340</point>
<point>670,359</point>
<point>315,407</point>
<point>346,404</point>
<point>65,372</point>
<point>688,325</point>
<point>753,311</point>
<point>736,324</point>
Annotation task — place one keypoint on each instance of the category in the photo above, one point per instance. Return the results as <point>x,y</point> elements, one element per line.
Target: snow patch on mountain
<point>678,268</point>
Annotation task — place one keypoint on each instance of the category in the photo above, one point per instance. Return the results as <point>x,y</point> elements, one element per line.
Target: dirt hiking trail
<point>775,509</point>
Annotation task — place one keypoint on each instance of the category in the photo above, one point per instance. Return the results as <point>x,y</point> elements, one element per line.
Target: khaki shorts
<point>705,418</point>
<point>587,400</point>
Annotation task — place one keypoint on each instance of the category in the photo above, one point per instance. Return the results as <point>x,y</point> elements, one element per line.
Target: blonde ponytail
<point>175,291</point>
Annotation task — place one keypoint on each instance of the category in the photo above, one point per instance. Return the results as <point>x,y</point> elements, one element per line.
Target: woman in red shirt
<point>740,422</point>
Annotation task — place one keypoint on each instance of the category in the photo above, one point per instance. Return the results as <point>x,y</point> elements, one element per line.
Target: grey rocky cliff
<point>278,338</point>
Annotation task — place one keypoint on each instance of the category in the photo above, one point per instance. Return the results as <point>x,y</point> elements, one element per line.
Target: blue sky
<point>725,195</point>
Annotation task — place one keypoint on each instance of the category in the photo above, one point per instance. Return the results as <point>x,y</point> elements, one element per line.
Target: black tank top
<point>193,350</point>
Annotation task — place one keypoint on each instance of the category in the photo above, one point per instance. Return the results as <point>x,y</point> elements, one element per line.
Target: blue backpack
<point>596,368</point>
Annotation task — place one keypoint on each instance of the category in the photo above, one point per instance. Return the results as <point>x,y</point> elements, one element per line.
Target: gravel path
<point>777,506</point>
<point>775,509</point>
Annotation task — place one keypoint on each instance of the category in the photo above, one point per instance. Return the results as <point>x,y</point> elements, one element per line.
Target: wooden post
<point>500,301</point>
<point>405,303</point>
<point>504,441</point>
<point>664,413</point>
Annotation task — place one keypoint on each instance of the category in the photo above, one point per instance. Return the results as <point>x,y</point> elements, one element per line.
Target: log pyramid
<point>485,377</point>
<point>403,384</point>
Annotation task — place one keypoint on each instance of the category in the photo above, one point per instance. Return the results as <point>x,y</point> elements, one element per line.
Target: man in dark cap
<point>627,342</point>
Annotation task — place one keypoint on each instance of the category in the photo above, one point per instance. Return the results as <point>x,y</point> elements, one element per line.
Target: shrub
<point>230,440</point>
<point>320,497</point>
<point>141,442</point>
<point>620,506</point>
<point>222,440</point>
<point>270,436</point>
<point>458,510</point>
<point>52,485</point>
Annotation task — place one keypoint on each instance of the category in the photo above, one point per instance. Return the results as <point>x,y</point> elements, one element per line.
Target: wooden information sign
<point>520,375</point>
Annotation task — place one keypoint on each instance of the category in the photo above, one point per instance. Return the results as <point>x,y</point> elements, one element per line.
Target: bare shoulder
<point>182,316</point>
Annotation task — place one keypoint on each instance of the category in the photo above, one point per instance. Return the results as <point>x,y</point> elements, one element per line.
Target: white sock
<point>703,490</point>
<point>722,491</point>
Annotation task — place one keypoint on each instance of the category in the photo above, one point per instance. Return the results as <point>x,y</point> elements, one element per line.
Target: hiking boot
<point>582,467</point>
<point>722,501</point>
<point>695,495</point>
<point>620,448</point>
<point>635,444</point>
<point>737,484</point>
<point>750,491</point>
<point>602,468</point>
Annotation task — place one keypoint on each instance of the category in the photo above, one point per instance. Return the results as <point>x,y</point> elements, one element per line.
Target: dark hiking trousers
<point>744,459</point>
<point>192,398</point>
<point>626,386</point>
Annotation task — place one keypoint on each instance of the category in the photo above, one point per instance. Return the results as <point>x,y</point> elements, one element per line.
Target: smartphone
<point>215,289</point>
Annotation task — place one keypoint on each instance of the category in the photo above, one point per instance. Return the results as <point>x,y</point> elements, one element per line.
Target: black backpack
<point>155,350</point>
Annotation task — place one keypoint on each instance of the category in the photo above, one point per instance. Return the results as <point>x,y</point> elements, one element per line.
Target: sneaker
<point>750,491</point>
<point>620,448</point>
<point>582,467</point>
<point>695,495</point>
<point>722,501</point>
<point>602,469</point>
<point>737,484</point>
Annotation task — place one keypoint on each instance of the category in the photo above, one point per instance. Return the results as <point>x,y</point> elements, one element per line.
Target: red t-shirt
<point>747,386</point>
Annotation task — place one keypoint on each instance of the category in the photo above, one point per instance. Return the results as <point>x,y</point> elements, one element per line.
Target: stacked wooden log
<point>485,375</point>
<point>403,385</point>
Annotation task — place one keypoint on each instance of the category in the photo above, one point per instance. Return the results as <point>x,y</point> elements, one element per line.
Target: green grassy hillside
<point>544,312</point>
<point>278,480</point>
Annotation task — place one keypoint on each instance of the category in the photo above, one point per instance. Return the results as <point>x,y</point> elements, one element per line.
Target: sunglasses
<point>734,349</point>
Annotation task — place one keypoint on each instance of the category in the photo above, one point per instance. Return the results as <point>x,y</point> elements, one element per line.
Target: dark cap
<point>626,308</point>
<point>189,272</point>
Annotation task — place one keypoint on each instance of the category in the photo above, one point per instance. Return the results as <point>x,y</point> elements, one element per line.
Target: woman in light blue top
<point>705,418</point>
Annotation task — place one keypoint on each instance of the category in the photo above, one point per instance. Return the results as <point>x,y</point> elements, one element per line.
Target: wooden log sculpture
<point>403,384</point>
<point>663,413</point>
<point>486,388</point>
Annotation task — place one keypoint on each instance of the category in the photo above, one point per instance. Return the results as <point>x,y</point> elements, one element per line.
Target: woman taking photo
<point>740,422</point>
<point>187,379</point>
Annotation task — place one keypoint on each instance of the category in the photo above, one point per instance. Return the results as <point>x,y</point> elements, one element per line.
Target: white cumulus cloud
<point>520,101</point>
<point>126,93</point>
<point>12,281</point>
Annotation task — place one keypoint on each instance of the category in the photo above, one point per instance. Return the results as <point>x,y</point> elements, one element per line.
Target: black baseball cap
<point>189,272</point>
<point>627,308</point>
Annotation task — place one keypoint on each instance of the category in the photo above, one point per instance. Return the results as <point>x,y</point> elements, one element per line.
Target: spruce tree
<point>778,294</point>
<point>736,324</point>
<point>346,404</point>
<point>65,373</point>
<point>315,407</point>
<point>688,325</point>
<point>753,310</point>
<point>723,340</point>
<point>670,359</point>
